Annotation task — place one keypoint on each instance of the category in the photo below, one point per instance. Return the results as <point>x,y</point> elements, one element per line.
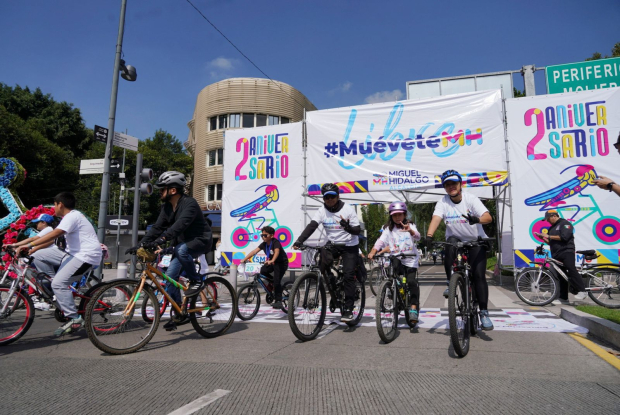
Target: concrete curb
<point>599,327</point>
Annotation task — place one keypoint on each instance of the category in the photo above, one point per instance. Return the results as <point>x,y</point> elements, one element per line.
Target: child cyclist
<point>400,236</point>
<point>276,263</point>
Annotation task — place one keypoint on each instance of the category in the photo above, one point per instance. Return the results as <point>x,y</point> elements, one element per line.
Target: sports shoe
<point>170,325</point>
<point>347,315</point>
<point>485,321</point>
<point>42,305</point>
<point>413,315</point>
<point>70,326</point>
<point>194,288</point>
<point>560,301</point>
<point>277,305</point>
<point>581,296</point>
<point>446,293</point>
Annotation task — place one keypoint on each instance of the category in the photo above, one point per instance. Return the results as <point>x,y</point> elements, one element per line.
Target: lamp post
<point>129,73</point>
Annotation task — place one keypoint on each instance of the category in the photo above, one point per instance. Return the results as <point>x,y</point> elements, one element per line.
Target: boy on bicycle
<point>401,236</point>
<point>276,263</point>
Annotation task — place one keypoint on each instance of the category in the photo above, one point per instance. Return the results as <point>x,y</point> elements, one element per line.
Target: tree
<point>374,217</point>
<point>615,52</point>
<point>517,93</point>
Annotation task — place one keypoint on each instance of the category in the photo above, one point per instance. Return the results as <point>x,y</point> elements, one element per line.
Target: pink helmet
<point>396,207</point>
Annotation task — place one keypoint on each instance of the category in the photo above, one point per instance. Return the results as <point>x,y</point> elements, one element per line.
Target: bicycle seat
<point>589,252</point>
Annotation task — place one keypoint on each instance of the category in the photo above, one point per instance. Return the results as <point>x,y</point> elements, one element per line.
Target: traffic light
<point>146,175</point>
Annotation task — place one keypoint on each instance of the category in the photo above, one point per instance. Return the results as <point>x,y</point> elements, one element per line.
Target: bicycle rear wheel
<point>536,287</point>
<point>604,287</point>
<point>458,316</point>
<point>286,297</point>
<point>374,280</point>
<point>219,306</point>
<point>248,302</point>
<point>307,316</point>
<point>17,319</point>
<point>110,321</point>
<point>386,311</point>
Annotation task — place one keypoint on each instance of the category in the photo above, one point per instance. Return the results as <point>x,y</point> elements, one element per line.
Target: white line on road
<point>333,326</point>
<point>201,402</point>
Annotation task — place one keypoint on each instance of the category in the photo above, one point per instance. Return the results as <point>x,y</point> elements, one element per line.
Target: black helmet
<point>451,176</point>
<point>329,189</point>
<point>171,179</point>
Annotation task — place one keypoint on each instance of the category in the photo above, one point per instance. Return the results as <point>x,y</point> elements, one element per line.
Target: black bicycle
<point>249,299</point>
<point>462,302</point>
<point>307,315</point>
<point>393,298</point>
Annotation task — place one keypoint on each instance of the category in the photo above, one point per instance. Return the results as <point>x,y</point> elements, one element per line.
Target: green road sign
<point>582,76</point>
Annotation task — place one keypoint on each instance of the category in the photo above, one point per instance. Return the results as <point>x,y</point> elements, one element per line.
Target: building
<point>234,103</point>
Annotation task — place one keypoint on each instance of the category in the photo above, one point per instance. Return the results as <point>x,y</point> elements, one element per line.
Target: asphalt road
<point>260,367</point>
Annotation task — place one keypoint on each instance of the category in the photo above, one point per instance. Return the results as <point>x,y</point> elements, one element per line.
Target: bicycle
<point>136,320</point>
<point>307,315</point>
<point>248,296</point>
<point>392,299</point>
<point>379,274</point>
<point>538,286</point>
<point>463,316</point>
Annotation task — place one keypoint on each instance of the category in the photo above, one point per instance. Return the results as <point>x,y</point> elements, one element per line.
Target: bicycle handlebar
<point>468,244</point>
<point>401,255</point>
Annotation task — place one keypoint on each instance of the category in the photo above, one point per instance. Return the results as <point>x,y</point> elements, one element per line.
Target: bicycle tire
<point>459,328</point>
<point>387,311</point>
<point>223,308</point>
<point>116,337</point>
<point>358,305</point>
<point>374,280</point>
<point>286,295</point>
<point>13,328</point>
<point>306,308</point>
<point>248,302</point>
<point>536,290</point>
<point>610,296</point>
<point>163,305</point>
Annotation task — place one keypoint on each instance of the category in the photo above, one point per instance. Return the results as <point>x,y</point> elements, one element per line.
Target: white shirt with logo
<point>400,242</point>
<point>81,238</point>
<point>331,223</point>
<point>456,224</point>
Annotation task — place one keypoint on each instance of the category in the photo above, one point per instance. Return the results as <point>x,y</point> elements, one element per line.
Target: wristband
<point>30,245</point>
<point>610,186</point>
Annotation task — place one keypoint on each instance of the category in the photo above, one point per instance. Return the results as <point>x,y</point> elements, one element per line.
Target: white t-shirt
<point>457,225</point>
<point>331,223</point>
<point>81,238</point>
<point>44,232</point>
<point>400,242</point>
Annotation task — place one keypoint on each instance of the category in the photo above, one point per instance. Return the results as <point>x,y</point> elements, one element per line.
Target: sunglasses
<point>329,197</point>
<point>264,235</point>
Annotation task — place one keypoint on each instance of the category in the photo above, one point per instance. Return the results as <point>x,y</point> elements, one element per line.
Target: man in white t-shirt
<point>83,251</point>
<point>464,214</point>
<point>342,228</point>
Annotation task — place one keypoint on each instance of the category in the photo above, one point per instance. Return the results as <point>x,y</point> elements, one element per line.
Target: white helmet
<point>171,179</point>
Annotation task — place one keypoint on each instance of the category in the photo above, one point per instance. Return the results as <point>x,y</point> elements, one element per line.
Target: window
<point>215,158</point>
<point>284,120</point>
<point>248,120</point>
<point>235,120</point>
<point>220,156</point>
<point>223,121</point>
<point>214,192</point>
<point>261,120</point>
<point>274,120</point>
<point>212,123</point>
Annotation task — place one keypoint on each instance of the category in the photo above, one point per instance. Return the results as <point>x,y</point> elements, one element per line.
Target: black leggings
<point>278,269</point>
<point>477,260</point>
<point>412,281</point>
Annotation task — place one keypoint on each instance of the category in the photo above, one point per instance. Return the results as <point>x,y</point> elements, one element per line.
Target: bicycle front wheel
<point>17,318</point>
<point>386,311</point>
<point>248,302</point>
<point>307,316</point>
<point>375,280</point>
<point>458,316</point>
<point>286,297</point>
<point>604,287</point>
<point>110,321</point>
<point>536,287</point>
<point>213,311</point>
<point>358,305</point>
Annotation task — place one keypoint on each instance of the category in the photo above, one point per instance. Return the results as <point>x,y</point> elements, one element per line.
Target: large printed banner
<point>407,145</point>
<point>263,185</point>
<point>558,145</point>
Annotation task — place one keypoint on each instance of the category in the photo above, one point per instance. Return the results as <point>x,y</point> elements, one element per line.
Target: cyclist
<point>181,223</point>
<point>276,263</point>
<point>561,241</point>
<point>342,228</point>
<point>464,214</point>
<point>400,236</point>
<point>83,251</point>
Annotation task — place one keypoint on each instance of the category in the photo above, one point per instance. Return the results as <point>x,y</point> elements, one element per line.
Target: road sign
<point>92,166</point>
<point>100,134</point>
<point>125,141</point>
<point>582,76</point>
<point>116,222</point>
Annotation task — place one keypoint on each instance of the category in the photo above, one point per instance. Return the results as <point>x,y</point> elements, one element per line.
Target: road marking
<point>201,402</point>
<point>425,291</point>
<point>332,326</point>
<point>596,349</point>
<point>432,266</point>
<point>499,299</point>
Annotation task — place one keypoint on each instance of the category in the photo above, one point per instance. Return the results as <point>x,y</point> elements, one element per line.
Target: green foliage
<point>596,310</point>
<point>517,93</point>
<point>374,217</point>
<point>615,52</point>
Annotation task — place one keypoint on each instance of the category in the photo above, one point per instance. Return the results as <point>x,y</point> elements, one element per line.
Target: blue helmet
<point>451,176</point>
<point>44,217</point>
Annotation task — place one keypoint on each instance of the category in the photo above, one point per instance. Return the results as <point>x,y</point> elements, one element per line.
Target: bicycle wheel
<point>374,280</point>
<point>386,311</point>
<point>17,319</point>
<point>458,316</point>
<point>358,305</point>
<point>218,308</point>
<point>604,287</point>
<point>536,287</point>
<point>110,321</point>
<point>307,316</point>
<point>286,292</point>
<point>162,305</point>
<point>248,302</point>
<point>121,290</point>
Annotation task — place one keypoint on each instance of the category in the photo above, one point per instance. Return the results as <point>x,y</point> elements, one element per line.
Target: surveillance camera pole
<point>105,182</point>
<point>136,214</point>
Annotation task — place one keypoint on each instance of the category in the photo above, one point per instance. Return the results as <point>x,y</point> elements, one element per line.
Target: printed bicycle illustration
<point>243,235</point>
<point>606,229</point>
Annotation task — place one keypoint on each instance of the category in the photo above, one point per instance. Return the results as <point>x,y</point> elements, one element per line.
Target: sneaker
<point>170,325</point>
<point>446,293</point>
<point>413,315</point>
<point>70,326</point>
<point>581,296</point>
<point>560,301</point>
<point>194,288</point>
<point>485,321</point>
<point>347,315</point>
<point>42,305</point>
<point>277,305</point>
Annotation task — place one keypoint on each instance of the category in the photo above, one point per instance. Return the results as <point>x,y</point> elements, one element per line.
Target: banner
<point>263,185</point>
<point>408,144</point>
<point>558,145</point>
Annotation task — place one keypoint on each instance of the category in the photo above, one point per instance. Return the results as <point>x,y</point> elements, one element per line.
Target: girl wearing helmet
<point>400,236</point>
<point>464,214</point>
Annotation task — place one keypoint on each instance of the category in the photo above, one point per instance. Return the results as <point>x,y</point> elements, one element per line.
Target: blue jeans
<point>182,260</point>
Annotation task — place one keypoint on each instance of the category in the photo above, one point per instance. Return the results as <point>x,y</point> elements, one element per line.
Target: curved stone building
<point>234,103</point>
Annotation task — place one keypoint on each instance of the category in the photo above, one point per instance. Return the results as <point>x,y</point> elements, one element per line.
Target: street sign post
<point>123,221</point>
<point>95,166</point>
<point>583,76</point>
